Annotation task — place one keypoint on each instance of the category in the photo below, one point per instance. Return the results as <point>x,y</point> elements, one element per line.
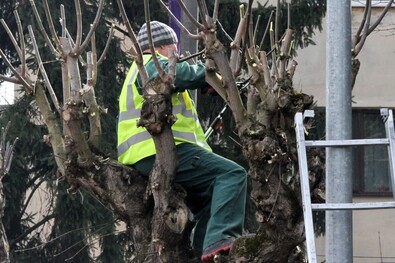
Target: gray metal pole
<point>187,43</point>
<point>338,127</point>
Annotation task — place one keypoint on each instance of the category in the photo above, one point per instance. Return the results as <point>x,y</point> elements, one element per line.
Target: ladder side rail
<point>305,189</point>
<point>389,125</point>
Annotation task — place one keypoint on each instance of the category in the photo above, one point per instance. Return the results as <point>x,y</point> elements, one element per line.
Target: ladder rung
<point>354,206</point>
<point>354,142</point>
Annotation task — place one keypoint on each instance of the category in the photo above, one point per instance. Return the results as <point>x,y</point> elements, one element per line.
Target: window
<point>371,174</point>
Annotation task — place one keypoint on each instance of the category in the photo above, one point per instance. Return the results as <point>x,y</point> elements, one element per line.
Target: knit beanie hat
<point>161,33</point>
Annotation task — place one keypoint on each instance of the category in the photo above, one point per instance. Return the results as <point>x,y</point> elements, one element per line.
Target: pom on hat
<point>161,33</point>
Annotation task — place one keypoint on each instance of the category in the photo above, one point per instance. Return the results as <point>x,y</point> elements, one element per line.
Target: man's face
<point>165,50</point>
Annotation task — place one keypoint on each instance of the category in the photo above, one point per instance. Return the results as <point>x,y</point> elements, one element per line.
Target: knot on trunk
<point>156,112</point>
<point>177,218</point>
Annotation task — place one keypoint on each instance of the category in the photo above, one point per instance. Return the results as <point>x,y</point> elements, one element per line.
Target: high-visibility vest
<point>135,143</point>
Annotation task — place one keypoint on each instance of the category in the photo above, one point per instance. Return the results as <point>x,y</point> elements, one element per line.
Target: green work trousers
<point>216,193</point>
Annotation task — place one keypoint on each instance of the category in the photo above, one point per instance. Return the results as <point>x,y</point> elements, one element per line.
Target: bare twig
<point>190,16</point>
<point>23,81</point>
<point>250,26</point>
<point>11,36</point>
<point>42,29</point>
<point>215,12</point>
<point>136,48</point>
<point>380,18</point>
<point>43,71</point>
<point>63,21</point>
<point>161,72</point>
<point>258,21</point>
<point>273,45</point>
<point>266,30</point>
<point>32,192</point>
<point>104,53</point>
<point>94,63</point>
<point>10,79</point>
<point>21,43</point>
<point>179,24</point>
<point>203,12</point>
<point>289,16</point>
<point>92,29</point>
<point>277,24</point>
<point>365,32</point>
<point>31,229</point>
<point>89,66</point>
<point>79,24</point>
<point>51,26</point>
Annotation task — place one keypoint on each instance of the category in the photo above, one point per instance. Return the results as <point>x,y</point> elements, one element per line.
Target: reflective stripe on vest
<point>136,143</point>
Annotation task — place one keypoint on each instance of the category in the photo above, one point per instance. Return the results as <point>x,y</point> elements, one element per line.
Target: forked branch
<point>136,51</point>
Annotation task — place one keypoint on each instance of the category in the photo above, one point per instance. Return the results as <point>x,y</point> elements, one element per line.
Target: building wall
<point>373,235</point>
<point>373,230</point>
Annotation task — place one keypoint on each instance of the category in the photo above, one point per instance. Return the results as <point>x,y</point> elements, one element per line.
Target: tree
<point>263,118</point>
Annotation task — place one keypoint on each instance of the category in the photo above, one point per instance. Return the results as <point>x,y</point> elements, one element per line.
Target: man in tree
<point>215,186</point>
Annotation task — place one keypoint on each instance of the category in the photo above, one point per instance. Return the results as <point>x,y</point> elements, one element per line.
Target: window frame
<point>375,3</point>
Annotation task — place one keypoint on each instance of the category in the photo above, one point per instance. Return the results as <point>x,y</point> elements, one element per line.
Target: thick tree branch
<point>43,71</point>
<point>235,45</point>
<point>53,126</point>
<point>92,109</point>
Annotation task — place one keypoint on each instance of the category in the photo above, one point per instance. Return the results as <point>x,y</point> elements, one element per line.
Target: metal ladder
<point>308,207</point>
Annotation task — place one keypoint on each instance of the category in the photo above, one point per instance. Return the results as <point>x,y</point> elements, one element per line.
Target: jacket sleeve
<point>187,76</point>
<point>190,76</point>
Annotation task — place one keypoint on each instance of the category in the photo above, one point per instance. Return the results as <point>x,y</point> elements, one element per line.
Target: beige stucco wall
<point>373,235</point>
<point>376,79</point>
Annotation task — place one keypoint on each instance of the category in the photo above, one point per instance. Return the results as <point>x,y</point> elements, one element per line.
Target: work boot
<point>220,247</point>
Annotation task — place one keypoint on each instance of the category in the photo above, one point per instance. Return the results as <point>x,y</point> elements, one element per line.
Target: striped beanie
<point>161,33</point>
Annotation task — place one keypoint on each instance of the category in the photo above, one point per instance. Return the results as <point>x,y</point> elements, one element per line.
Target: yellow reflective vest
<point>135,143</point>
